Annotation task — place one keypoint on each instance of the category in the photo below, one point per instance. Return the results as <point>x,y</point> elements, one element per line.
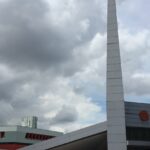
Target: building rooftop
<point>94,137</point>
<point>92,132</point>
<point>28,129</point>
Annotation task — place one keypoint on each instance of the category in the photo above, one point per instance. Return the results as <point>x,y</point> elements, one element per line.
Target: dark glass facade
<point>138,134</point>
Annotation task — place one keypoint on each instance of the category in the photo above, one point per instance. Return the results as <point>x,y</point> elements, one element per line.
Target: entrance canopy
<point>92,137</point>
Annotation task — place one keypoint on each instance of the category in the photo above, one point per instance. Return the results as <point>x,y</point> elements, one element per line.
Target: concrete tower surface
<point>116,127</point>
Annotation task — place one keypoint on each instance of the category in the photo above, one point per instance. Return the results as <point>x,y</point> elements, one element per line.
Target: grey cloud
<point>26,40</point>
<point>67,114</point>
<point>7,90</point>
<point>31,43</point>
<point>10,86</point>
<point>29,40</point>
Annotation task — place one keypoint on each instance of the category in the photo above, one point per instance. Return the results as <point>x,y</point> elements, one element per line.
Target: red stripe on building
<point>11,146</point>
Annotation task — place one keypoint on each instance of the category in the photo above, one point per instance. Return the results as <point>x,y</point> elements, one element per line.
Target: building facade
<point>95,137</point>
<point>14,137</point>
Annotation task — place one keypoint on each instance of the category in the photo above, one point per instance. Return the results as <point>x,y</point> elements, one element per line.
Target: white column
<point>116,128</point>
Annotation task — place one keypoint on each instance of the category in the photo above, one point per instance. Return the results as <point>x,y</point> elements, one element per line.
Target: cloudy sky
<point>52,59</point>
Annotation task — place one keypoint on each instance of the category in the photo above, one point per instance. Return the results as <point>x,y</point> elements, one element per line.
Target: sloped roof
<point>82,134</point>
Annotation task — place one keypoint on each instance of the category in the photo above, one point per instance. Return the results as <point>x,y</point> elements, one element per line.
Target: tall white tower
<point>116,127</point>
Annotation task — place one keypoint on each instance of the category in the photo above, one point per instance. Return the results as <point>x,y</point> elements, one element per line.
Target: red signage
<point>144,115</point>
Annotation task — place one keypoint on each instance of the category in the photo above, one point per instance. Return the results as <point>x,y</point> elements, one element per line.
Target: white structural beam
<point>68,138</point>
<point>116,127</point>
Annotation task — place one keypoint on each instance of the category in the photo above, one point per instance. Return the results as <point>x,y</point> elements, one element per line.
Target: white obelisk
<point>116,128</point>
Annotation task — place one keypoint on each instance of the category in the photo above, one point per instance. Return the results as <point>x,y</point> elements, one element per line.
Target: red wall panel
<point>11,146</point>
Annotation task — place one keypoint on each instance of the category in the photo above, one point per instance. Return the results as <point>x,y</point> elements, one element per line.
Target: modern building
<point>128,124</point>
<point>14,137</point>
<point>95,137</point>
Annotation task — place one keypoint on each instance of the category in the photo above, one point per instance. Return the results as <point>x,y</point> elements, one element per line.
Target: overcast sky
<point>52,59</point>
